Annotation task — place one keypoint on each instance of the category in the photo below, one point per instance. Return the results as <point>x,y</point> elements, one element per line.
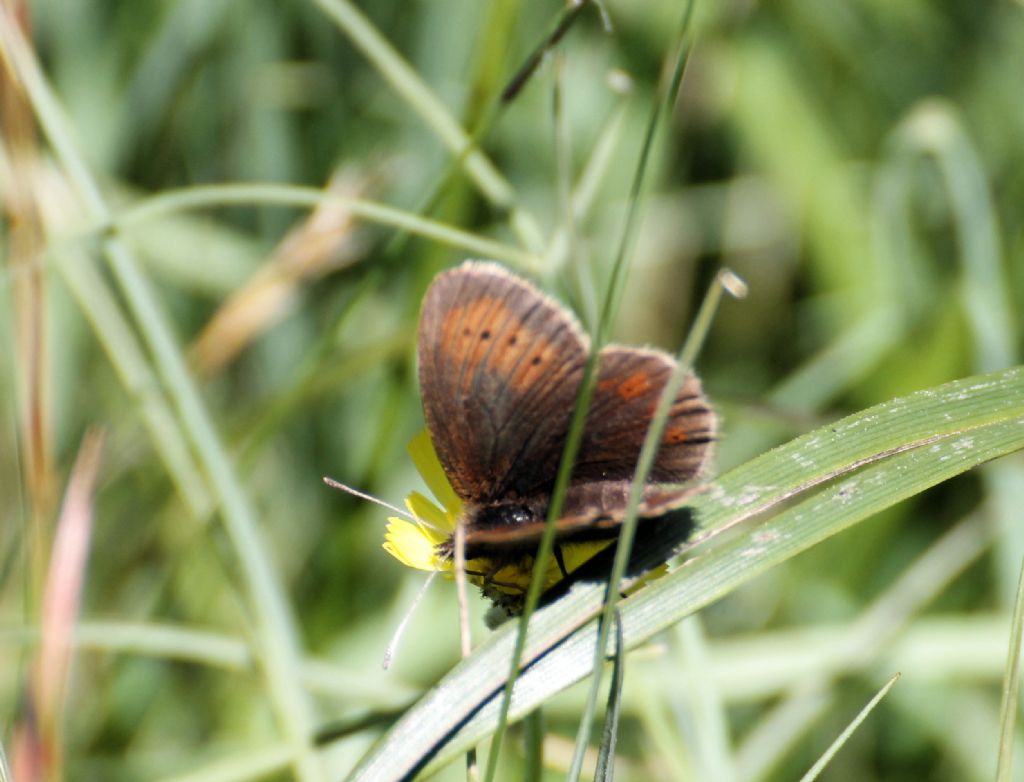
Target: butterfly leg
<point>560,560</point>
<point>490,580</point>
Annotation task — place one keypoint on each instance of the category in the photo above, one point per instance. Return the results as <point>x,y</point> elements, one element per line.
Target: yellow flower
<point>414,543</point>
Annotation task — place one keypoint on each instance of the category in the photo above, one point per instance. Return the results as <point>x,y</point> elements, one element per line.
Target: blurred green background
<point>860,165</point>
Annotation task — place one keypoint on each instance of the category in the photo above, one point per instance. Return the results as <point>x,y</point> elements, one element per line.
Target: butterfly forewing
<point>500,365</point>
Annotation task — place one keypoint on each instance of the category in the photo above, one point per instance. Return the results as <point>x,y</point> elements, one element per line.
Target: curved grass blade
<point>895,450</point>
<point>748,555</point>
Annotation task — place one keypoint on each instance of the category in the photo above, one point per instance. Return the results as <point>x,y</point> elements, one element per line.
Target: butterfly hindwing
<point>592,511</point>
<point>629,384</point>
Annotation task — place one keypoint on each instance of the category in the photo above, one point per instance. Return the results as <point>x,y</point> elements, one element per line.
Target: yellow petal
<point>408,543</point>
<point>421,449</point>
<point>437,524</point>
<point>415,543</point>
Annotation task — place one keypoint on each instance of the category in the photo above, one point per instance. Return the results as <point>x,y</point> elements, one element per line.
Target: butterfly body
<point>500,369</point>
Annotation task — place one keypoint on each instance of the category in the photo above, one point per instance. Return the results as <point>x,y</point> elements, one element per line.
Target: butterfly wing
<point>499,366</point>
<point>629,384</point>
<point>592,512</point>
<point>630,381</point>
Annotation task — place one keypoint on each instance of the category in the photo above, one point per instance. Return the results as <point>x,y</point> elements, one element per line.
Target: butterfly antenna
<point>364,496</point>
<point>389,653</point>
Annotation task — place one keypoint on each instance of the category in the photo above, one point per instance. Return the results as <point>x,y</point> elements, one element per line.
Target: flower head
<point>415,543</point>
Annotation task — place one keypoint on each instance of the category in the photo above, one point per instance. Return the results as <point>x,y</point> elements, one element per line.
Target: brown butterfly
<point>500,365</point>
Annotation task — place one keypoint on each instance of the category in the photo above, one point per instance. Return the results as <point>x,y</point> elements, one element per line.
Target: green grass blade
<point>933,129</point>
<point>99,305</point>
<point>256,194</point>
<point>623,546</point>
<point>897,449</point>
<point>702,722</point>
<point>1011,689</point>
<point>277,635</point>
<point>787,724</point>
<point>814,771</point>
<point>421,99</point>
<point>533,746</point>
<point>610,735</point>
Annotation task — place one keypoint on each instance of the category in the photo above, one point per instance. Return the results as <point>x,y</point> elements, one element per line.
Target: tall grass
<point>220,220</point>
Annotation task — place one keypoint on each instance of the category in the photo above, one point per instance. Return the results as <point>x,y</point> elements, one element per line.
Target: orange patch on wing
<point>486,330</point>
<point>469,329</point>
<point>637,384</point>
<point>538,356</point>
<point>675,434</point>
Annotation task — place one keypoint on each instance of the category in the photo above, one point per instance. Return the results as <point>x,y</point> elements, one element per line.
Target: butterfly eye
<point>485,334</point>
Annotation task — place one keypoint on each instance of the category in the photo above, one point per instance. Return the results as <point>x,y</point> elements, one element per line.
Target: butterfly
<point>500,367</point>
